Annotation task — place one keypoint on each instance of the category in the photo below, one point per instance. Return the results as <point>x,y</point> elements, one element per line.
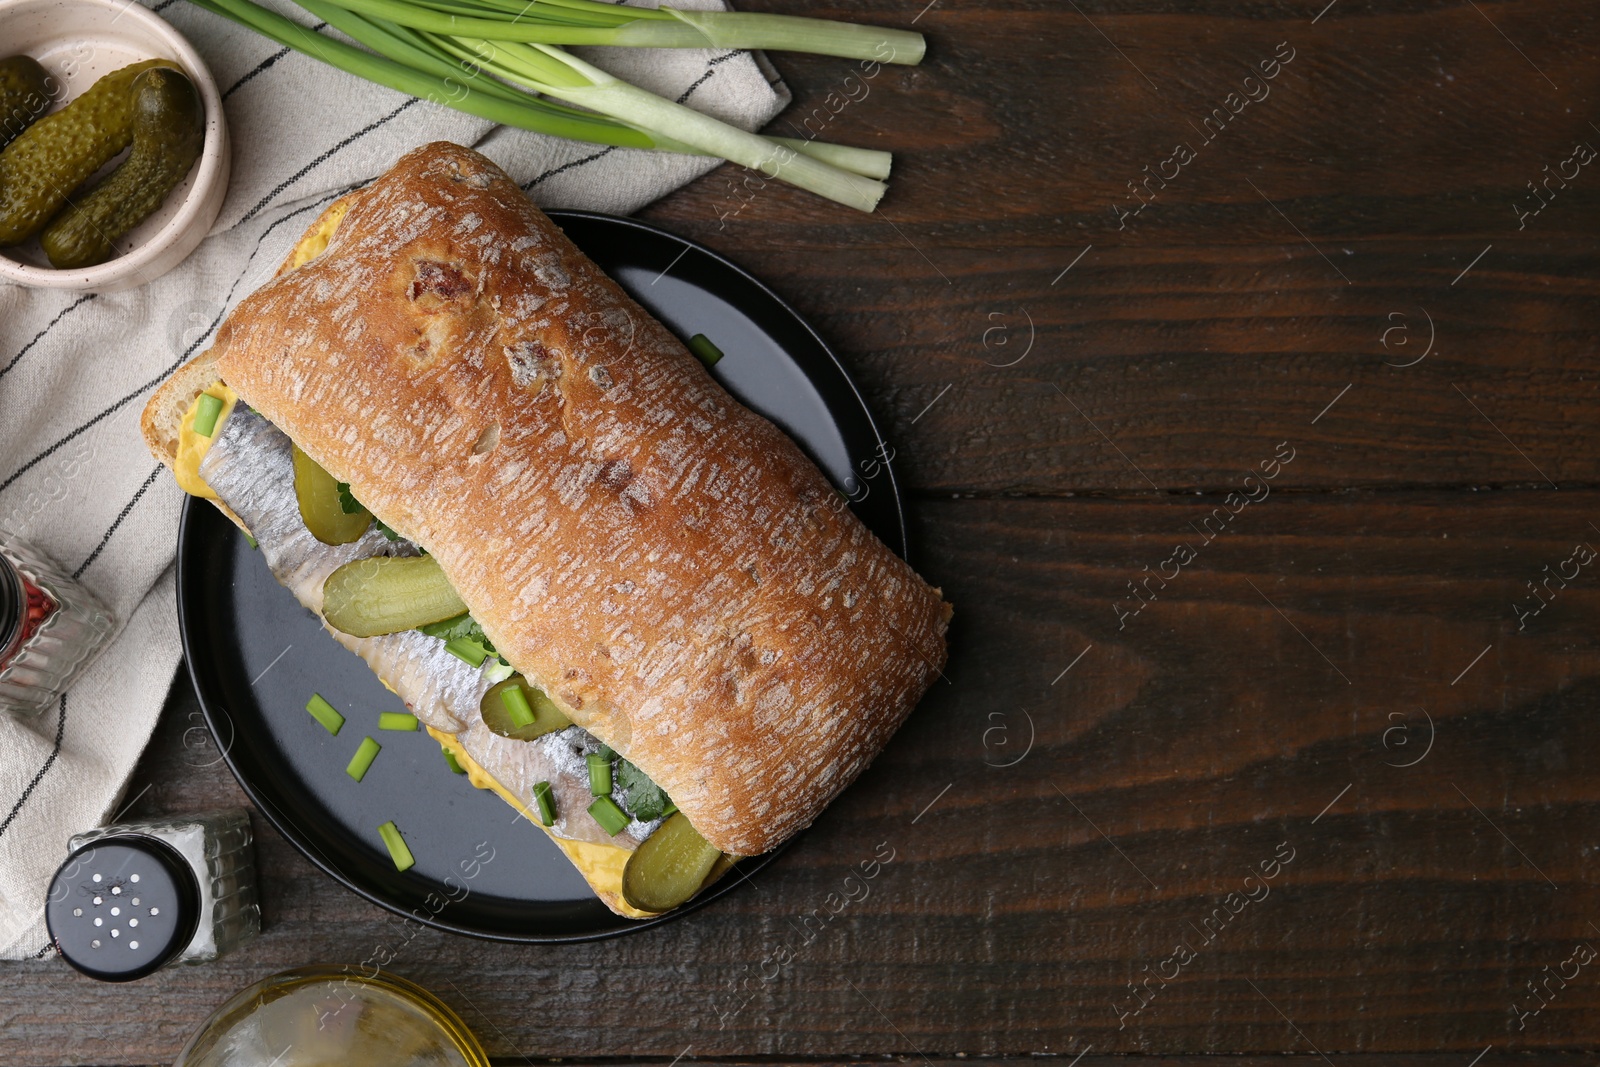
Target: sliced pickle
<point>320,509</point>
<point>669,867</point>
<point>388,594</point>
<point>497,717</point>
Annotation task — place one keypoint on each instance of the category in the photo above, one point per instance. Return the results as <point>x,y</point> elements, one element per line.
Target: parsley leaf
<point>463,625</point>
<point>347,501</point>
<point>643,799</point>
<point>351,506</point>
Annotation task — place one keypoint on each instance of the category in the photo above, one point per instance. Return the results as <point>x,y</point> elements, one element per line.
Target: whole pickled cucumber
<point>26,93</point>
<point>169,128</point>
<point>54,155</point>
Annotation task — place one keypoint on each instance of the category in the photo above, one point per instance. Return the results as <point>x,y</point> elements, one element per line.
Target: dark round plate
<point>256,655</point>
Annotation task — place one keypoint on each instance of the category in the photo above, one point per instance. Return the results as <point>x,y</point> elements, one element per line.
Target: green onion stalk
<point>587,22</point>
<point>470,73</point>
<point>556,73</point>
<point>408,46</point>
<point>458,89</point>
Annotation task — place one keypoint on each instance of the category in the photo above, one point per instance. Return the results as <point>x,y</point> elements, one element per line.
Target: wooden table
<point>1246,464</point>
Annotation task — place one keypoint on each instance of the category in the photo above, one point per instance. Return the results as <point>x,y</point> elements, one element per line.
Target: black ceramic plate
<point>256,656</point>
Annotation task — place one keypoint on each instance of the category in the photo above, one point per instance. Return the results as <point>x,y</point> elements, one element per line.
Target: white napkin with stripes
<point>75,371</point>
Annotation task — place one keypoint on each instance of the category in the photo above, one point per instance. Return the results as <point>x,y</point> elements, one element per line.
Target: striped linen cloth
<point>75,371</point>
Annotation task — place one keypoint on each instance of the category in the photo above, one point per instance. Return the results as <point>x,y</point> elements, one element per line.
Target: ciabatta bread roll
<point>664,563</point>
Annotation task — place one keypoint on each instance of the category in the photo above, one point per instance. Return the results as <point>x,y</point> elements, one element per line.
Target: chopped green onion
<point>547,803</point>
<point>325,713</point>
<point>205,415</point>
<point>398,851</point>
<point>357,767</point>
<point>599,774</point>
<point>612,819</point>
<point>701,346</point>
<point>518,710</point>
<point>397,720</point>
<point>467,650</point>
<point>450,758</point>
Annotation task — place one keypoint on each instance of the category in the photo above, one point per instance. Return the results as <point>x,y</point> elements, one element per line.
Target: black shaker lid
<point>122,907</point>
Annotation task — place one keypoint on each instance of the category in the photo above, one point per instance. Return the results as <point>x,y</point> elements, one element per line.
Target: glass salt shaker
<point>51,628</point>
<point>133,898</point>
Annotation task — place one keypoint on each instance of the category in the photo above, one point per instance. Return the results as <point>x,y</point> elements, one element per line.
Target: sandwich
<point>624,602</point>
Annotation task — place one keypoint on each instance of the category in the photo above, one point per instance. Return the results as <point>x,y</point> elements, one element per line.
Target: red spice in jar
<point>51,628</point>
<point>39,606</point>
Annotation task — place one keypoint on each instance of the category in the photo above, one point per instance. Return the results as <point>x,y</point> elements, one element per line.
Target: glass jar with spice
<point>51,628</point>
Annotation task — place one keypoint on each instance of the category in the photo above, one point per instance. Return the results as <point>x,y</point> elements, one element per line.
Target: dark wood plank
<point>1491,1059</point>
<point>1175,757</point>
<point>1271,692</point>
<point>1251,291</point>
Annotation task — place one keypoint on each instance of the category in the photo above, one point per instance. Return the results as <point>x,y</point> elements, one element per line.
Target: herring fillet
<point>250,466</point>
<point>557,757</point>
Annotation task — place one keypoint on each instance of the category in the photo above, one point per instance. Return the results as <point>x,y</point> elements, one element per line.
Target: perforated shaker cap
<point>122,907</point>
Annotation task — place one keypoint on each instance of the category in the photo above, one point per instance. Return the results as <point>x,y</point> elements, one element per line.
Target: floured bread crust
<point>163,413</point>
<point>665,563</point>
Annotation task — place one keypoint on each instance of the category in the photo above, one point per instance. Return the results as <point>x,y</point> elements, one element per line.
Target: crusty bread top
<point>162,420</point>
<point>665,563</point>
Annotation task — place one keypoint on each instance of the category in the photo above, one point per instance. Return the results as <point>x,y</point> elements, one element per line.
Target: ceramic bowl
<point>77,42</point>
